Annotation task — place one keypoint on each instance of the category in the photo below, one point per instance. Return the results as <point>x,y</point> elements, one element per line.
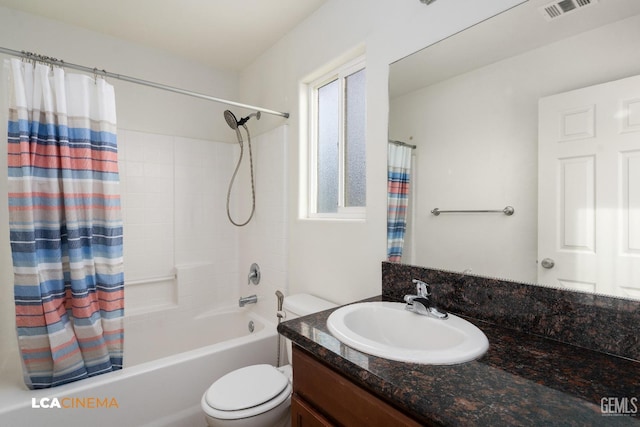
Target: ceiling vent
<point>560,8</point>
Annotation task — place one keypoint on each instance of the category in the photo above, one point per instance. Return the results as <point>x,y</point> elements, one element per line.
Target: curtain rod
<point>104,73</point>
<point>413,147</point>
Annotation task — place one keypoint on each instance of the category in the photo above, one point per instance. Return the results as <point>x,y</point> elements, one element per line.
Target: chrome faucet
<point>252,299</point>
<point>421,302</point>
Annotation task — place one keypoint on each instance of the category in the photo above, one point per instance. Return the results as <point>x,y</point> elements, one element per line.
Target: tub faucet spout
<point>252,299</point>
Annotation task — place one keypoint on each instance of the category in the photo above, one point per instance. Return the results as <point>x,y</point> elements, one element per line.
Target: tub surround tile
<point>539,369</point>
<point>597,322</point>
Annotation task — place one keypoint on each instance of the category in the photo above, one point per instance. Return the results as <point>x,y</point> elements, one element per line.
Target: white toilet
<point>258,395</point>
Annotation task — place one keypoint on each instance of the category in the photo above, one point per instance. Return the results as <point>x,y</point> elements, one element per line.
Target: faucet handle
<point>422,288</point>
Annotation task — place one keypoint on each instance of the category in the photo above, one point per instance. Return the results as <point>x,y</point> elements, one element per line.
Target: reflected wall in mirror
<point>539,114</point>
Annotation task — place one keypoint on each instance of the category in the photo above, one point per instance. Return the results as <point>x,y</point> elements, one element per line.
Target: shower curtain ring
<point>96,72</point>
<point>29,57</point>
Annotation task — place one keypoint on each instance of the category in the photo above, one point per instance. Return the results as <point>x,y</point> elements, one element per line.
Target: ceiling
<point>225,34</point>
<point>518,30</point>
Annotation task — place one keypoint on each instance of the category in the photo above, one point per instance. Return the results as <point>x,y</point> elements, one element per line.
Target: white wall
<point>478,148</point>
<point>340,261</point>
<point>264,240</point>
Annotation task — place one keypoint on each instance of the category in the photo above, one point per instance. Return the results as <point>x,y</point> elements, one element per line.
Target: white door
<point>589,189</point>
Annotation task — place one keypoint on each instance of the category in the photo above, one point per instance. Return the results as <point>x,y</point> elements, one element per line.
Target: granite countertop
<point>523,379</point>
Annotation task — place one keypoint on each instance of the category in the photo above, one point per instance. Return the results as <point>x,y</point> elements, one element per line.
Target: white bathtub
<point>163,380</point>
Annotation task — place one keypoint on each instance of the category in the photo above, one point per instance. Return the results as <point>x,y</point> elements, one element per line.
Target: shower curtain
<point>65,224</point>
<point>398,178</point>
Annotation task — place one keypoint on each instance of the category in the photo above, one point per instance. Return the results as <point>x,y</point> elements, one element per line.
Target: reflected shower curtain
<point>398,178</point>
<point>65,224</point>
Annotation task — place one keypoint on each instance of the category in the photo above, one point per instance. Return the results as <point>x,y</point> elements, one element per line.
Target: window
<point>337,143</point>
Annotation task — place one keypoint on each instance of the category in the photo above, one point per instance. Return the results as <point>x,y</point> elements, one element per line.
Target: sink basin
<point>386,329</point>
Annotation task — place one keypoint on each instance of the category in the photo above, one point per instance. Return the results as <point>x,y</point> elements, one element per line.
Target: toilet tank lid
<point>303,304</point>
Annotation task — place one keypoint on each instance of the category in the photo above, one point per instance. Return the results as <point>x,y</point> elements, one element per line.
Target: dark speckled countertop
<point>523,379</point>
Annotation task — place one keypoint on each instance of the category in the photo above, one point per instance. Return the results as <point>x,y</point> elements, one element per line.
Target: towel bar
<point>507,211</point>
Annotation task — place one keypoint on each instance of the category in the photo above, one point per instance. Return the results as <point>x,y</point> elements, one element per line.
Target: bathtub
<point>166,372</point>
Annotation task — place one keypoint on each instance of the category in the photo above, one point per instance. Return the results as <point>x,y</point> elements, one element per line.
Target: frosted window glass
<point>355,168</point>
<point>328,137</point>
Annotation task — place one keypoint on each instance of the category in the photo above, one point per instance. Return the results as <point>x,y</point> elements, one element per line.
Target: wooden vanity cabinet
<point>322,397</point>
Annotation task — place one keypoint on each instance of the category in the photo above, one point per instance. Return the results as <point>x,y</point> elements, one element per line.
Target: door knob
<point>547,263</point>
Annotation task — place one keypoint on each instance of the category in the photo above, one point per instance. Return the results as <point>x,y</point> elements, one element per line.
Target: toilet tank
<point>300,305</point>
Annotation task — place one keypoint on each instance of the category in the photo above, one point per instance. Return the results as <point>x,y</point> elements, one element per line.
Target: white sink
<point>386,329</point>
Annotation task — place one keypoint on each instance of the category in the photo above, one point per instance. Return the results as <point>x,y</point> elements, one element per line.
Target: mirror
<point>536,108</point>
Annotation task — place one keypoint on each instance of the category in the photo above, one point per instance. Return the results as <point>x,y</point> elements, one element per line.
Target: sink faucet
<point>421,303</point>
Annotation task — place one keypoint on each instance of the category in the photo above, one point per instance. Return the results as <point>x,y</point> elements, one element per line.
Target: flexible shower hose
<point>253,190</point>
<point>279,345</point>
<point>280,315</point>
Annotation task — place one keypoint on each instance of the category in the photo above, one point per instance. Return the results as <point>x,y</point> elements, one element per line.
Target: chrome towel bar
<point>507,211</point>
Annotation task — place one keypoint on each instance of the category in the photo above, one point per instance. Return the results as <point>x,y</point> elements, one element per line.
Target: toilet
<point>258,395</point>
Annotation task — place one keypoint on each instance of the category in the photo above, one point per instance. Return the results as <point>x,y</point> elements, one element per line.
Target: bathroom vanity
<point>523,379</point>
<point>321,396</point>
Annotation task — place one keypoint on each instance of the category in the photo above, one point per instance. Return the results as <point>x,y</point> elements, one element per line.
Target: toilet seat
<point>246,392</point>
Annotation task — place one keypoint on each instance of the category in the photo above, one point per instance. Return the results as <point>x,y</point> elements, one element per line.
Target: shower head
<point>231,119</point>
<point>280,297</point>
<point>234,123</point>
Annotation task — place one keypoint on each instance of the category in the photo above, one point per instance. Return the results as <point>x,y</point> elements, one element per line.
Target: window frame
<point>339,73</point>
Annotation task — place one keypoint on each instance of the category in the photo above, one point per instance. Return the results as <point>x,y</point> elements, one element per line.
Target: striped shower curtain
<point>65,224</point>
<point>398,178</point>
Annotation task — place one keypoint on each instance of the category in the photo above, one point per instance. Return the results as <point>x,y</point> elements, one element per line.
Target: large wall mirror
<point>537,108</point>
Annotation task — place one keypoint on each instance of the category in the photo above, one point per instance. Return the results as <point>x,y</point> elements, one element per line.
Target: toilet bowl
<point>258,395</point>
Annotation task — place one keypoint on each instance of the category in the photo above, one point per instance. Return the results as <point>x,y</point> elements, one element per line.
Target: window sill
<point>333,219</point>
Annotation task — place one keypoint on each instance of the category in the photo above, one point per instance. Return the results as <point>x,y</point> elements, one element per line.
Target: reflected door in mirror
<point>589,188</point>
